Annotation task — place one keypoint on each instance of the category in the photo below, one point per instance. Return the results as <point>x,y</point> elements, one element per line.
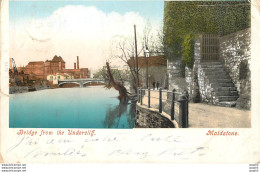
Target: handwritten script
<point>112,145</point>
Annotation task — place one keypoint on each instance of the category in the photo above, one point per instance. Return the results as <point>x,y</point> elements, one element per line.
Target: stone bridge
<point>81,82</point>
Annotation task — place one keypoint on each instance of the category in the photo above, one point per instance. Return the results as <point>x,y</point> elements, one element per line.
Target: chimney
<point>59,65</point>
<point>77,62</point>
<point>74,65</point>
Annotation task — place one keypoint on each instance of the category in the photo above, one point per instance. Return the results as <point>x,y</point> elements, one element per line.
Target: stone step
<point>226,93</point>
<point>216,73</point>
<point>210,71</point>
<point>217,85</point>
<point>227,98</point>
<point>219,80</point>
<point>227,104</point>
<point>213,70</point>
<point>216,76</point>
<point>211,63</point>
<point>211,66</point>
<point>225,89</point>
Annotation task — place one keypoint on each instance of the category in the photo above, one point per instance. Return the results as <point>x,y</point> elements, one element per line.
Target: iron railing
<point>182,99</point>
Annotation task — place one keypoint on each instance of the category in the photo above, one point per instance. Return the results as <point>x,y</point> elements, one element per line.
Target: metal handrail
<point>183,100</point>
<point>165,91</point>
<point>157,98</point>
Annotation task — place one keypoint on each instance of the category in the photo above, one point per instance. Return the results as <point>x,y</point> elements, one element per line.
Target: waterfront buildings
<point>59,76</point>
<point>40,69</point>
<point>156,67</point>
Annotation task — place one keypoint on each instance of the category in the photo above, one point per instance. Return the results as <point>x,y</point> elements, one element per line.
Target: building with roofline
<point>40,70</point>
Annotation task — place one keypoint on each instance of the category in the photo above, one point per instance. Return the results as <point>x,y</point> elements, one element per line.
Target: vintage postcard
<point>130,81</point>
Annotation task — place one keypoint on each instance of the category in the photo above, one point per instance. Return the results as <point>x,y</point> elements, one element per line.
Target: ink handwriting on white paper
<point>116,145</point>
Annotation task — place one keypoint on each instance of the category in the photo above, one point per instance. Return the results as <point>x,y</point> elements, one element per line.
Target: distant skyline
<point>39,30</point>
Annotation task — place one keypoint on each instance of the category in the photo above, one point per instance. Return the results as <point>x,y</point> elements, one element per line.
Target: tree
<point>123,48</point>
<point>118,74</point>
<point>117,85</point>
<point>101,74</point>
<point>154,41</point>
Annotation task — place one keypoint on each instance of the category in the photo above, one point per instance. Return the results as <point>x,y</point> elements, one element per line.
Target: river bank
<point>25,89</point>
<point>149,118</point>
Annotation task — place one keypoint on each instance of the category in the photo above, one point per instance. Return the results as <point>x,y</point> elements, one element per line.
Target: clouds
<point>73,30</point>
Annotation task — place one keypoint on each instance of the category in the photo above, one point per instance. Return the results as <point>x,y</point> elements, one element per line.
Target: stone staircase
<point>220,86</point>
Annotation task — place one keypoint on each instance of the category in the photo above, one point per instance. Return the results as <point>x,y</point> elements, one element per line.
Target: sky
<point>88,29</point>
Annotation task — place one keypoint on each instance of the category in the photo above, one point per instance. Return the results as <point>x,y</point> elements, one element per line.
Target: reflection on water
<point>114,115</point>
<point>90,107</point>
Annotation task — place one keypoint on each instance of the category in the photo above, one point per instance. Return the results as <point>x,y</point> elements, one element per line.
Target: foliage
<point>182,68</point>
<point>123,48</point>
<point>119,75</point>
<point>197,17</point>
<point>188,50</point>
<point>100,74</point>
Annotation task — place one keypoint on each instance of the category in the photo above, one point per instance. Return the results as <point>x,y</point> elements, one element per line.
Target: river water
<point>89,107</point>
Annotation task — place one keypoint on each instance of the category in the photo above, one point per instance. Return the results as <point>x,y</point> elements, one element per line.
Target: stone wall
<point>176,81</point>
<point>16,89</point>
<point>189,79</point>
<point>235,53</point>
<point>151,118</point>
<point>204,86</point>
<point>146,118</point>
<point>200,80</point>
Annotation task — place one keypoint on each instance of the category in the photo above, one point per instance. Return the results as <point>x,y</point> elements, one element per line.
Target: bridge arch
<point>80,82</point>
<point>94,82</point>
<point>62,83</point>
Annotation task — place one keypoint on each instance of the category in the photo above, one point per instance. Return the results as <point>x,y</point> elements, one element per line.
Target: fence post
<point>149,97</point>
<point>172,105</point>
<point>141,97</point>
<point>187,108</point>
<point>184,110</point>
<point>160,100</point>
<point>138,94</point>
